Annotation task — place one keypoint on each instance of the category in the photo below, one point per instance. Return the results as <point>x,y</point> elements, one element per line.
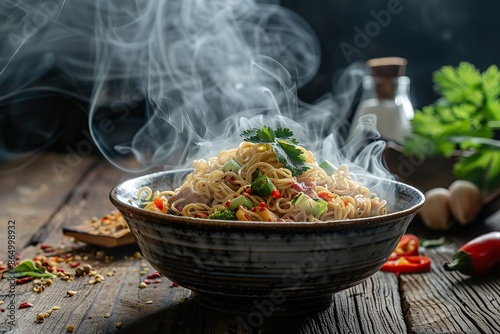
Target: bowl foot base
<point>274,305</point>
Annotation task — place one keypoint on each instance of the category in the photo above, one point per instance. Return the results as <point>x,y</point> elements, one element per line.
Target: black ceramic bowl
<point>239,266</point>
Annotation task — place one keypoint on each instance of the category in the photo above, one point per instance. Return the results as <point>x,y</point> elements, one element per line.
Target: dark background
<point>429,33</point>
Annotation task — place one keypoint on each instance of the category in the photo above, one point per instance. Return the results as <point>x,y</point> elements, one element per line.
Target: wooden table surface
<point>53,191</point>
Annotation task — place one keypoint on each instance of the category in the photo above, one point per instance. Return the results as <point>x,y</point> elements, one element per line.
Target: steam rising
<point>203,71</point>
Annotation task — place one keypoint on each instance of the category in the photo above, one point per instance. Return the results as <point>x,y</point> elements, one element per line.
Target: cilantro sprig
<point>464,118</point>
<point>283,144</point>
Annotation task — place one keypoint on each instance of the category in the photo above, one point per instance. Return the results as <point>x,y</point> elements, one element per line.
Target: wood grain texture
<point>32,193</point>
<point>434,302</point>
<point>449,302</point>
<point>88,199</point>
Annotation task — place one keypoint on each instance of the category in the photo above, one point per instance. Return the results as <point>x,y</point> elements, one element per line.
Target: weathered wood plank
<point>32,193</point>
<point>433,302</point>
<point>88,199</point>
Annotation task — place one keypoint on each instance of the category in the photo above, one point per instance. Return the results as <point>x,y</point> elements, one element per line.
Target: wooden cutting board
<point>109,231</point>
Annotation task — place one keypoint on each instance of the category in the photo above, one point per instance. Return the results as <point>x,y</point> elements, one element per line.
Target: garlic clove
<point>435,212</point>
<point>465,201</point>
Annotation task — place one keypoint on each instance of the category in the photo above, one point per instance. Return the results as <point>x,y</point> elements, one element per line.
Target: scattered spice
<point>71,293</point>
<point>70,328</point>
<point>25,305</point>
<point>87,268</point>
<point>109,224</point>
<point>56,307</point>
<point>118,324</point>
<point>149,302</point>
<point>79,272</point>
<point>107,315</point>
<point>142,285</point>
<point>40,317</point>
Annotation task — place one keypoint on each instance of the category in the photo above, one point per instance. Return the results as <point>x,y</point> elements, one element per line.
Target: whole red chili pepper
<point>478,256</point>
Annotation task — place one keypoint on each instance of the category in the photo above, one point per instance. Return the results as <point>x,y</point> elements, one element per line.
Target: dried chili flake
<point>25,305</point>
<point>74,264</point>
<point>23,280</point>
<point>154,275</point>
<point>276,194</point>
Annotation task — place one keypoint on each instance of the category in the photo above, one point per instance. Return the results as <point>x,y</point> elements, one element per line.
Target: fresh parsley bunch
<point>283,144</point>
<point>463,119</point>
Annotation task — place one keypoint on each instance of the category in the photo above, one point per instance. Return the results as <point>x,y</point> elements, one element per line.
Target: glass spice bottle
<point>386,95</point>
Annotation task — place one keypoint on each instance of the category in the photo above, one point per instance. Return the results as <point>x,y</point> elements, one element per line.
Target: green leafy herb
<point>283,144</point>
<point>463,119</point>
<point>431,243</point>
<point>27,268</point>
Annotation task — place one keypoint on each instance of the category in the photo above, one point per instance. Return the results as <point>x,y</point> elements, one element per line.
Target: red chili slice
<point>159,203</point>
<point>276,194</point>
<point>408,264</point>
<point>407,246</point>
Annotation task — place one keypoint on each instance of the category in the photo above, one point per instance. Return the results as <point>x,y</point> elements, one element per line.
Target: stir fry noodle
<point>251,183</point>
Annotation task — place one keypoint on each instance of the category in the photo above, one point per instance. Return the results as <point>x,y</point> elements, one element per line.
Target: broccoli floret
<point>223,214</point>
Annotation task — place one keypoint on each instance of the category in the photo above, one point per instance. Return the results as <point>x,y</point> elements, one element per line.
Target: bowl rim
<point>168,219</point>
